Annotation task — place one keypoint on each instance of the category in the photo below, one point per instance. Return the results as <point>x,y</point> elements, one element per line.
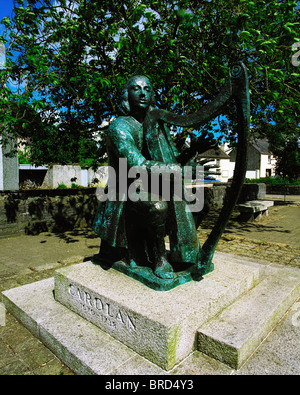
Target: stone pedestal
<point>103,322</point>
<point>160,326</point>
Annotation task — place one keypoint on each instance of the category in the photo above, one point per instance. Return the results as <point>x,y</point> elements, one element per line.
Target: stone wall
<point>36,211</point>
<point>249,192</point>
<point>283,189</point>
<point>71,174</point>
<point>59,210</point>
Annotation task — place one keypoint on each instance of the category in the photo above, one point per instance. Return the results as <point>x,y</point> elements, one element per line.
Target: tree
<point>285,146</point>
<point>75,55</point>
<point>288,159</point>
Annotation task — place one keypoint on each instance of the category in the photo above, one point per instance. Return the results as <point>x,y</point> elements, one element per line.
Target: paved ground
<point>28,259</point>
<point>274,238</point>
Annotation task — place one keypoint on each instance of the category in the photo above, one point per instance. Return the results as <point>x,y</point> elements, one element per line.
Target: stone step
<point>160,326</point>
<point>235,334</point>
<point>80,345</point>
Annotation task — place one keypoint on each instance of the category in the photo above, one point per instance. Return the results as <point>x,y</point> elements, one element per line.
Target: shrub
<point>62,186</point>
<point>272,181</point>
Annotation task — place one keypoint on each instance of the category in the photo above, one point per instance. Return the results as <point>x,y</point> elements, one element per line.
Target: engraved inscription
<point>108,313</point>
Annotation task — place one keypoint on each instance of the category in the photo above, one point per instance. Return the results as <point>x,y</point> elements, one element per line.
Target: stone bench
<point>254,209</point>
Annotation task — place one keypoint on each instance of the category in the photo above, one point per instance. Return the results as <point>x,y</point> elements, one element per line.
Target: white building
<point>261,162</point>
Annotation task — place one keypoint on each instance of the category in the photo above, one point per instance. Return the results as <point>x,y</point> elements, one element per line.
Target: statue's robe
<point>125,140</point>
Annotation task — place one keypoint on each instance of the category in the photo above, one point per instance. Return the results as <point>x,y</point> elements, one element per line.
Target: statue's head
<point>137,95</point>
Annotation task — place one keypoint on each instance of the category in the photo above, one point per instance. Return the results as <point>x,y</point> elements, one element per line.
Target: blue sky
<point>6,7</point>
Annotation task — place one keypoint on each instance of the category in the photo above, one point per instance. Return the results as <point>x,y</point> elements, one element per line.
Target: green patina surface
<point>132,232</point>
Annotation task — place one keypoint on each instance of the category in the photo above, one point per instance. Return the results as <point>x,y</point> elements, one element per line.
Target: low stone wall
<point>249,192</point>
<point>283,189</point>
<point>36,211</point>
<point>59,210</point>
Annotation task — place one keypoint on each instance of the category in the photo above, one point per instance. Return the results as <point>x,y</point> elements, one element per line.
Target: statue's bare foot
<point>164,270</point>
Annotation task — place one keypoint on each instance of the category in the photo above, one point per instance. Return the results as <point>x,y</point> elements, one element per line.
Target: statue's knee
<point>157,213</point>
<point>150,212</point>
<point>160,207</point>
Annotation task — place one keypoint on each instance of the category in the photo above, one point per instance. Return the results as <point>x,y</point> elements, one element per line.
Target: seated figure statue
<point>136,229</point>
<point>132,231</point>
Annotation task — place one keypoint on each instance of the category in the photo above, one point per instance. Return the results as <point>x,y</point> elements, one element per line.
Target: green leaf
<point>76,59</point>
<point>6,22</point>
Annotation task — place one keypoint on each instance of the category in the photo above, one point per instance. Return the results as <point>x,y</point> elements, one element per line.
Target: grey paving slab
<point>238,331</point>
<point>86,349</point>
<point>28,259</point>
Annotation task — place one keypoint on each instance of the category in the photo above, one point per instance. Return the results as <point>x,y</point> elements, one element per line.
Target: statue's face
<point>140,93</point>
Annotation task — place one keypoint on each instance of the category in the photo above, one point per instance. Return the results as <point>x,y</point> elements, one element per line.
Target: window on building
<point>269,159</point>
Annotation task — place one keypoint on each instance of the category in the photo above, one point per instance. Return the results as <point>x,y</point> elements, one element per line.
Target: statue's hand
<point>163,168</point>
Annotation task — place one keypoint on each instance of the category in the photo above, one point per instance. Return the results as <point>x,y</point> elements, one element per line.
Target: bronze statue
<point>132,231</point>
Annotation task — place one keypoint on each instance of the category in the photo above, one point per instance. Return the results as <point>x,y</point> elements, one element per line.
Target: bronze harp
<point>235,88</point>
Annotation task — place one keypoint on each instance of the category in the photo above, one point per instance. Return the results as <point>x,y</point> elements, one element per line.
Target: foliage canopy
<point>72,57</point>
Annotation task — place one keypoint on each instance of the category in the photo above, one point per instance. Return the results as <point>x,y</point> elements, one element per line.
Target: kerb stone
<point>160,326</point>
